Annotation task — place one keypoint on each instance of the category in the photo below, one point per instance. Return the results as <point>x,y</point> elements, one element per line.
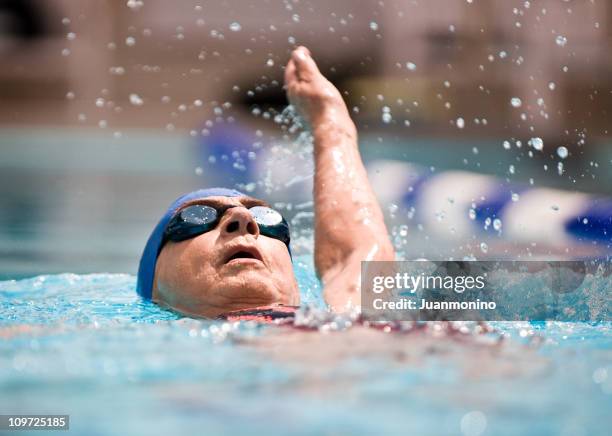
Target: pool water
<point>87,346</point>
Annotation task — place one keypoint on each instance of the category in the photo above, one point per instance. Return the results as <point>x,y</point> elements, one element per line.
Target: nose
<point>239,221</point>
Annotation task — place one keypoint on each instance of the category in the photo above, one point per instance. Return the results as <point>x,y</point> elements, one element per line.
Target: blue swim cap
<point>146,269</point>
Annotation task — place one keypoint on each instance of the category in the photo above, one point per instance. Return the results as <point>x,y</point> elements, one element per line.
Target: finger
<point>306,68</point>
<point>290,75</point>
<point>304,49</point>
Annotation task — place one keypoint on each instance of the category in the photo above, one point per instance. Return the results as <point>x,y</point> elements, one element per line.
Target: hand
<point>314,97</point>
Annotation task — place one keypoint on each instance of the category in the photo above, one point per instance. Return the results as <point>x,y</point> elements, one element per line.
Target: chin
<point>254,291</point>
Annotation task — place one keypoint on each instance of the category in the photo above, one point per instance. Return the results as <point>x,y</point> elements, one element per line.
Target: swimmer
<point>218,251</point>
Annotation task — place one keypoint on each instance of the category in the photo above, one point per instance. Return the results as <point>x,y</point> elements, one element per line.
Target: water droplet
<point>295,18</point>
<point>473,423</point>
<point>560,168</point>
<point>374,26</point>
<point>235,27</point>
<point>472,214</point>
<point>116,71</point>
<point>270,63</point>
<point>460,122</point>
<point>561,40</point>
<point>506,145</point>
<point>130,41</point>
<point>515,197</point>
<point>562,152</point>
<point>600,375</point>
<point>136,100</point>
<point>386,117</point>
<point>497,224</point>
<point>537,143</point>
<point>552,86</point>
<point>199,171</point>
<point>99,102</point>
<point>71,36</point>
<point>516,102</point>
<point>511,169</point>
<point>554,207</point>
<point>484,247</point>
<point>411,66</point>
<point>135,4</point>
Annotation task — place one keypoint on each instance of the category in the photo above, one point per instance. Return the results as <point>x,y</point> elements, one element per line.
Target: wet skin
<point>349,225</point>
<point>194,277</point>
<point>229,268</point>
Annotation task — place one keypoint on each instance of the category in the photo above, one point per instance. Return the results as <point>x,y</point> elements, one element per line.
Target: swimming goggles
<point>197,219</point>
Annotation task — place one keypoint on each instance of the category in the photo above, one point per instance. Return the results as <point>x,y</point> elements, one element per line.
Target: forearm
<point>348,219</point>
<point>349,225</point>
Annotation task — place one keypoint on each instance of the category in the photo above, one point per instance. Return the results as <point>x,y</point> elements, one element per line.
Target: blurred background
<point>485,125</point>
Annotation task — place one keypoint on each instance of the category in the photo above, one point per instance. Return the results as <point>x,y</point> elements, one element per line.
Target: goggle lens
<point>198,219</point>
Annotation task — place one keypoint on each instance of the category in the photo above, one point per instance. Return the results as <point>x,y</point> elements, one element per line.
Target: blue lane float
<point>459,204</point>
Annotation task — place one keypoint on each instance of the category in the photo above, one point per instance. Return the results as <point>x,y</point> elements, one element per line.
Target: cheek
<point>198,258</point>
<point>185,267</point>
<point>285,277</point>
<point>280,261</point>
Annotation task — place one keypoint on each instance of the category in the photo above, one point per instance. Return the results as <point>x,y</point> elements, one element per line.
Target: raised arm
<point>349,225</point>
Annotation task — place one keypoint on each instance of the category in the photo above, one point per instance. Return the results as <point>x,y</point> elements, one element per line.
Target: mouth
<point>243,253</point>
